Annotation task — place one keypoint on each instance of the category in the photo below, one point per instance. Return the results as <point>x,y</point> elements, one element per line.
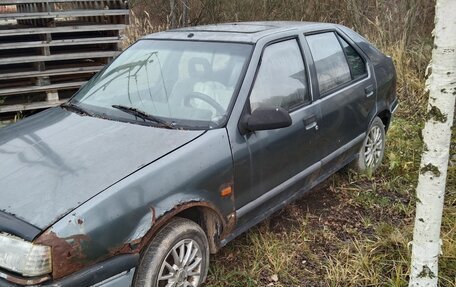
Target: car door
<point>269,162</point>
<point>347,95</point>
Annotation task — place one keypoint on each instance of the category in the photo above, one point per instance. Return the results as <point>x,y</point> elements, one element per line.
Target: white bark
<point>436,135</point>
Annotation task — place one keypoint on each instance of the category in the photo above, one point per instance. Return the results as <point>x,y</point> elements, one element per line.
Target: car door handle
<point>312,125</point>
<point>369,90</point>
<point>311,122</point>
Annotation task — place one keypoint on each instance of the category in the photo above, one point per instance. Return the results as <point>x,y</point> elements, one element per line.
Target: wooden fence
<point>49,48</point>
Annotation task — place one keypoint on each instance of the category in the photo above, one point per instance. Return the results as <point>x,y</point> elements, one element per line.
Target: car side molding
<point>276,190</point>
<point>285,185</point>
<point>342,149</point>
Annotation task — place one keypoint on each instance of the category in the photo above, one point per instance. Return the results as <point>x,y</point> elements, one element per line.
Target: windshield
<point>186,83</point>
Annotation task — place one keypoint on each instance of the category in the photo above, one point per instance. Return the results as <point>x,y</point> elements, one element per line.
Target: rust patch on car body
<point>162,220</point>
<point>231,219</point>
<point>215,225</point>
<point>67,253</point>
<point>230,225</point>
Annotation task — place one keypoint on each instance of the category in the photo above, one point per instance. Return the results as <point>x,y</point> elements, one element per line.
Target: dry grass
<point>353,230</point>
<point>140,25</point>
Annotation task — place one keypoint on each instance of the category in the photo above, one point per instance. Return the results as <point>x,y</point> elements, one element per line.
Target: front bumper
<point>115,272</point>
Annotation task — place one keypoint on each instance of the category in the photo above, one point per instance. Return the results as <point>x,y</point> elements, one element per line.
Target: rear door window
<point>330,62</point>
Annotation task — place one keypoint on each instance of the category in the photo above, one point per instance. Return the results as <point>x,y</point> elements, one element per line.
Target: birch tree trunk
<point>436,136</point>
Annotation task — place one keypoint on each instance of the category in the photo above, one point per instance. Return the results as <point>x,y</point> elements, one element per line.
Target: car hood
<point>54,161</point>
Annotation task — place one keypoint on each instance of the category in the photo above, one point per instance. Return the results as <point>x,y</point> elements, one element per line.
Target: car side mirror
<point>267,119</point>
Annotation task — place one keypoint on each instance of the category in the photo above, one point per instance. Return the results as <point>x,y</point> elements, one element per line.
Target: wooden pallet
<point>49,48</point>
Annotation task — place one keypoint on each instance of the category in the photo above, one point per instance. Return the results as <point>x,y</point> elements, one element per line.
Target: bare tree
<point>185,8</point>
<point>172,6</point>
<point>436,137</point>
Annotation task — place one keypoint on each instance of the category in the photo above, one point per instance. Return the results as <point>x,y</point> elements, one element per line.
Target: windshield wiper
<point>143,115</point>
<point>77,109</point>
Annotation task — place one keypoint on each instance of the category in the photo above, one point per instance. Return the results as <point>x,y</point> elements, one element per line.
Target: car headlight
<point>23,257</point>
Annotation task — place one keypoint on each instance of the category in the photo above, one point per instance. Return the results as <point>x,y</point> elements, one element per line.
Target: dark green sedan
<point>185,141</point>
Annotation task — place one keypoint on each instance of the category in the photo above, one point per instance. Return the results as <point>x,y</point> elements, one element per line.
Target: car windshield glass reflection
<point>186,83</point>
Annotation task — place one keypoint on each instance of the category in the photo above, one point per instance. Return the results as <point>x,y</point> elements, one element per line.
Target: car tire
<point>181,240</point>
<point>372,150</point>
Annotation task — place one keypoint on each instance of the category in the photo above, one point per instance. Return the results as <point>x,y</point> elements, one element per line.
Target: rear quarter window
<point>374,54</point>
<point>355,61</point>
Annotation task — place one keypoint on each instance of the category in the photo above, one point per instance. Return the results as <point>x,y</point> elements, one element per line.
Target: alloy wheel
<point>373,148</point>
<point>182,265</point>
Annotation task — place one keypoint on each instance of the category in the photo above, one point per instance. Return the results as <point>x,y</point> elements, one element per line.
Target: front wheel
<point>177,257</point>
<point>373,148</point>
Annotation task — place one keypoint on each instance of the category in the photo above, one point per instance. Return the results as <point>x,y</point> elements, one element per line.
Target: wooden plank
<point>63,14</point>
<point>54,43</point>
<point>14,2</point>
<point>29,106</point>
<point>65,29</point>
<point>58,57</point>
<point>53,72</point>
<point>33,89</point>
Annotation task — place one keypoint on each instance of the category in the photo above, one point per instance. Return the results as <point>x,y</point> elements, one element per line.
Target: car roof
<point>248,32</point>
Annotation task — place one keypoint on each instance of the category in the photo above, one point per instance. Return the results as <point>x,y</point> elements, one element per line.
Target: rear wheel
<point>177,257</point>
<point>373,148</point>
